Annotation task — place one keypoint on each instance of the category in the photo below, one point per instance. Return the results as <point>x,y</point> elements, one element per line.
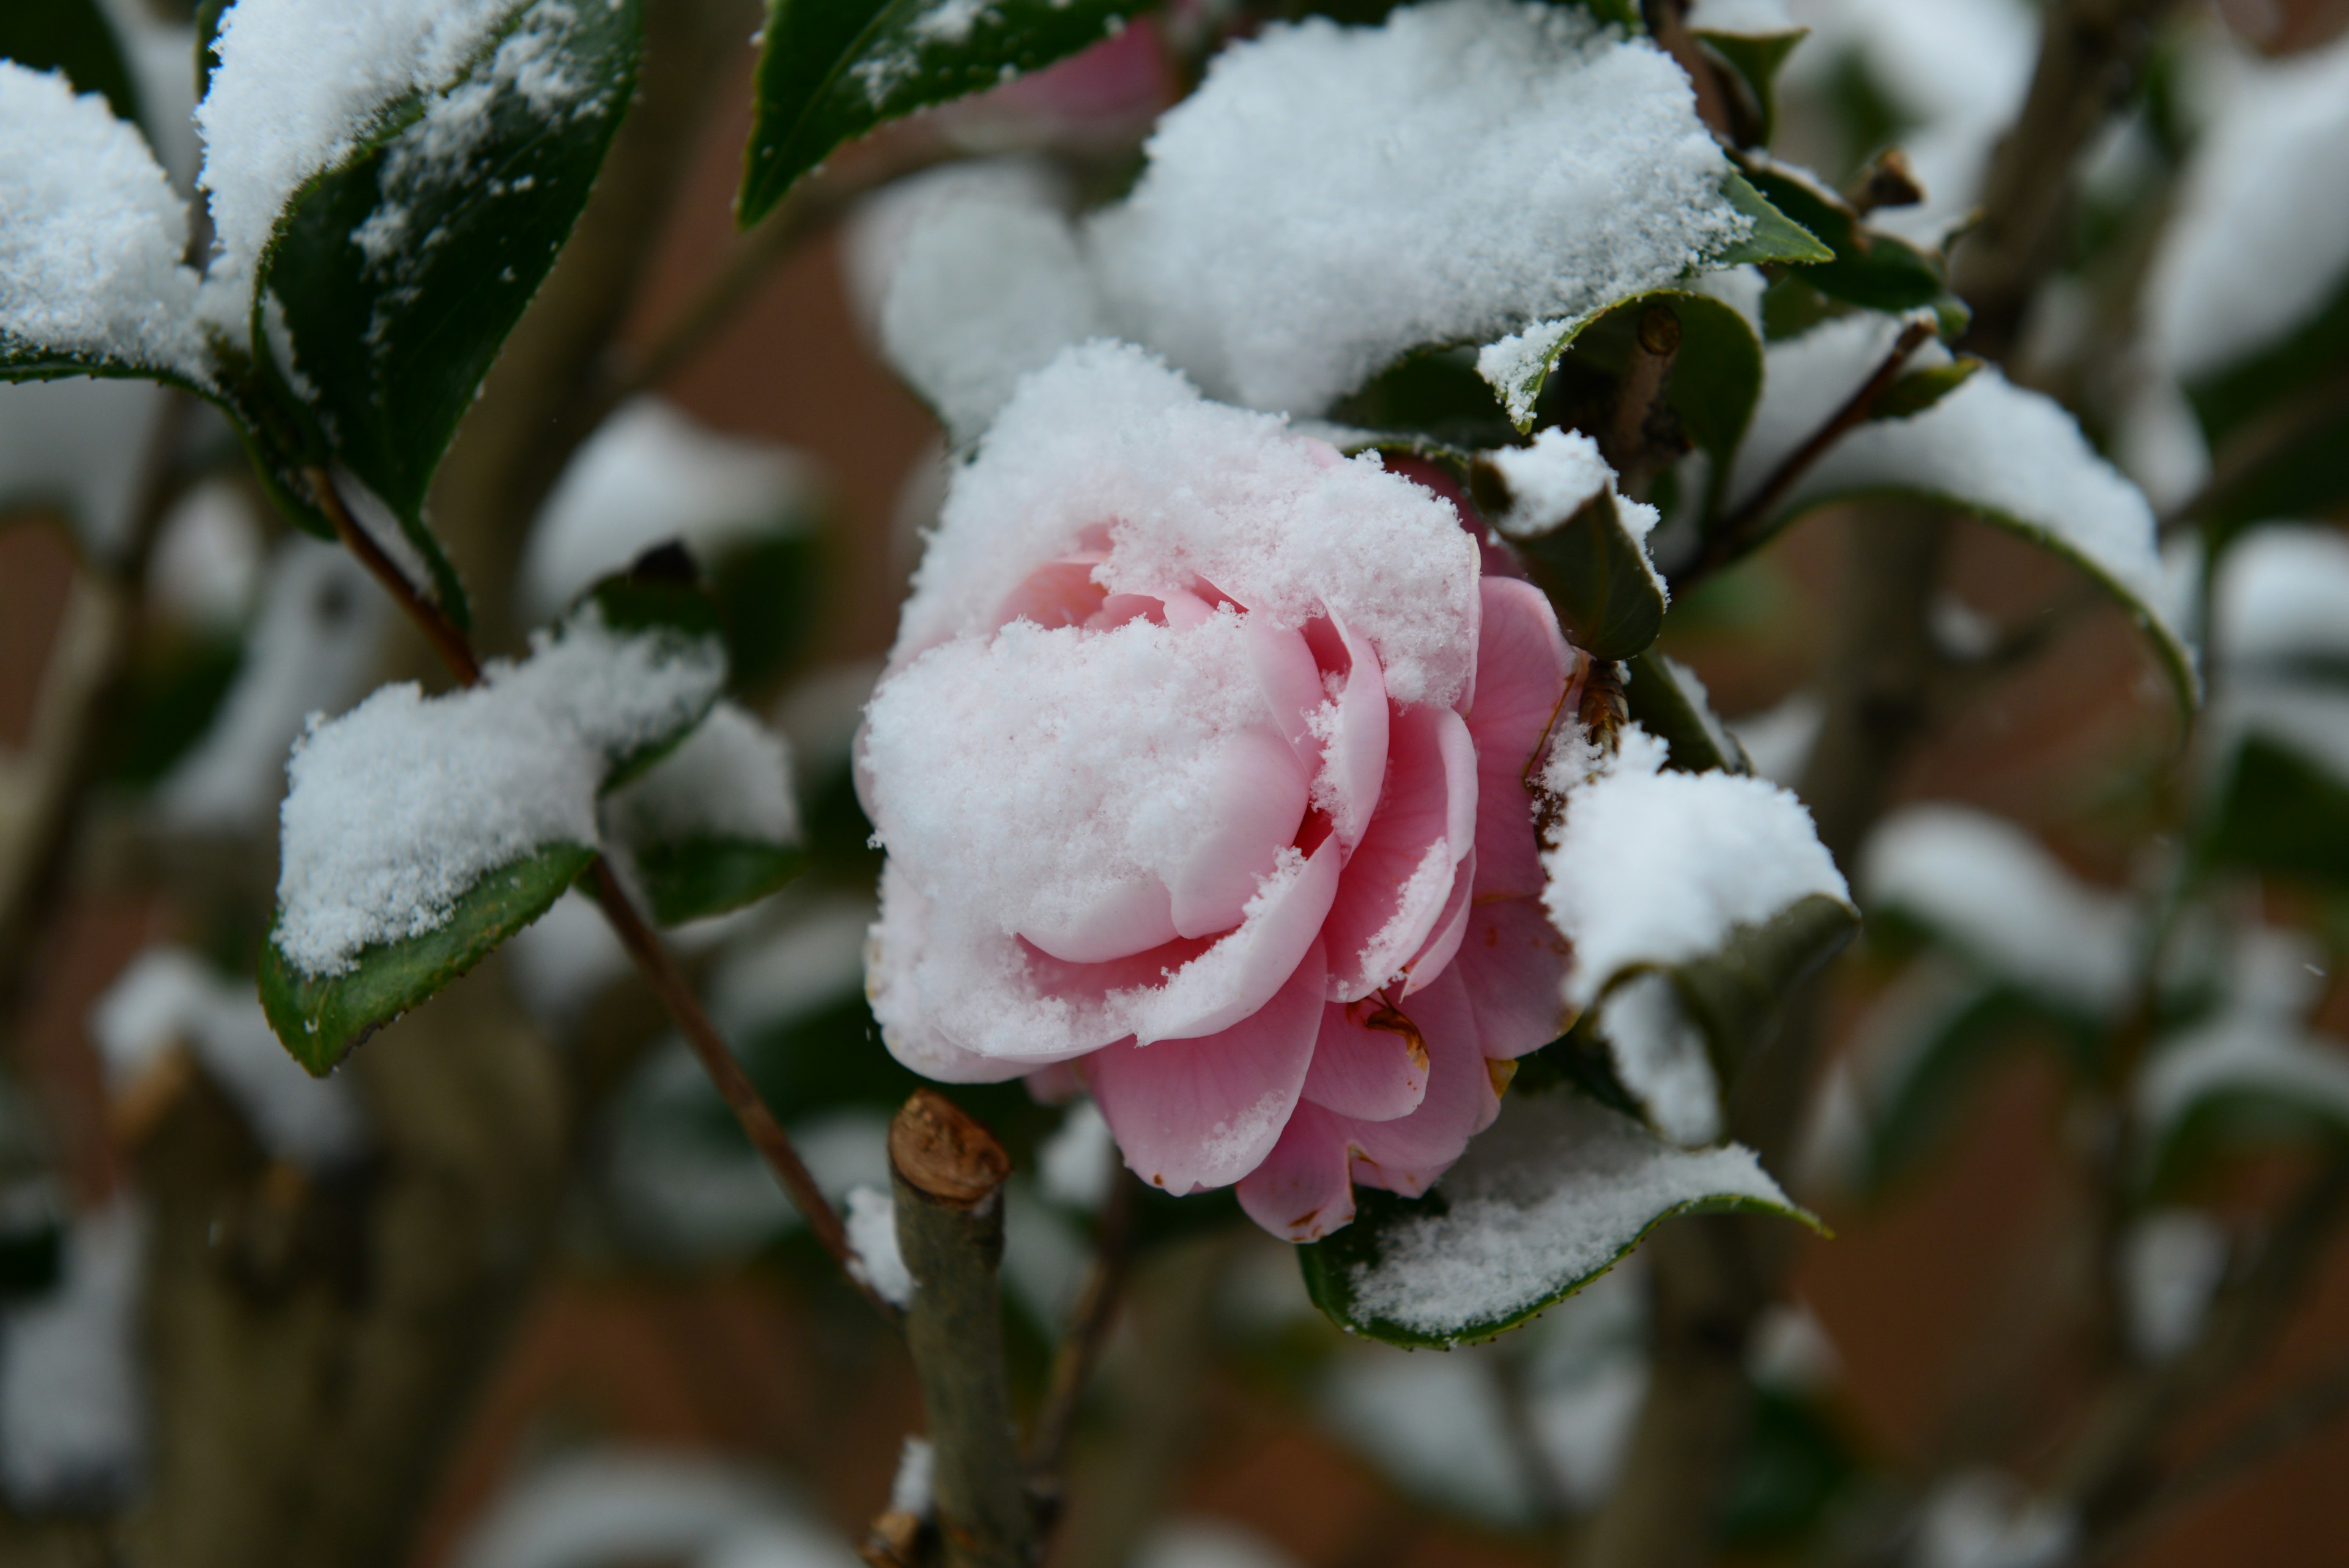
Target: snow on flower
<point>1202,766</point>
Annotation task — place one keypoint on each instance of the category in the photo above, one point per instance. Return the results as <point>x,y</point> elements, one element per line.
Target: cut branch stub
<point>948,1174</point>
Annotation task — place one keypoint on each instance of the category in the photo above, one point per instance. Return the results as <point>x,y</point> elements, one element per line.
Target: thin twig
<point>1748,525</point>
<point>1089,1324</point>
<point>652,957</point>
<point>456,650</point>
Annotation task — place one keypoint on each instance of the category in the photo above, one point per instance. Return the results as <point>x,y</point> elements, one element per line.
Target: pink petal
<point>1195,1113</point>
<point>1512,963</point>
<point>1522,664</point>
<point>1407,1154</point>
<point>1354,761</point>
<point>1399,878</point>
<point>1291,682</point>
<point>931,1054</point>
<point>1451,929</point>
<point>1303,1191</point>
<point>1055,594</point>
<point>1368,1061</point>
<point>1257,804</point>
<point>1241,973</point>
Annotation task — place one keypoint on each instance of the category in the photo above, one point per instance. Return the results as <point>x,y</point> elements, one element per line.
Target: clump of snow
<point>910,1487</point>
<point>607,1507</point>
<point>972,277</point>
<point>2171,1262</point>
<point>168,998</point>
<point>91,234</point>
<point>1286,240</point>
<point>2019,457</point>
<point>873,1233</point>
<point>66,446</point>
<point>811,961</point>
<point>650,474</point>
<point>2243,1053</point>
<point>2261,242</point>
<point>1656,869</point>
<point>1078,1163</point>
<point>310,649</point>
<point>1982,1519</point>
<point>297,87</point>
<point>2283,594</point>
<point>73,1422</point>
<point>1660,1055</point>
<point>1107,435</point>
<point>1988,888</point>
<point>1207,1543</point>
<point>1438,1424</point>
<point>1743,18</point>
<point>1804,380</point>
<point>1554,1192</point>
<point>400,806</point>
<point>207,563</point>
<point>1778,741</point>
<point>731,778</point>
<point>1550,481</point>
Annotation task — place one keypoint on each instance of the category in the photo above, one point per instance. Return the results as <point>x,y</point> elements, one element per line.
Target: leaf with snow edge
<point>680,618</point>
<point>1716,371</point>
<point>401,269</point>
<point>321,1017</point>
<point>2279,810</point>
<point>1867,267</point>
<point>1433,399</point>
<point>1585,547</point>
<point>832,70</point>
<point>712,827</point>
<point>74,37</point>
<point>1987,891</point>
<point>1917,390</point>
<point>1775,236</point>
<point>2016,458</point>
<point>1664,698</point>
<point>1756,57</point>
<point>2241,1079</point>
<point>1550,1197</point>
<point>91,280</point>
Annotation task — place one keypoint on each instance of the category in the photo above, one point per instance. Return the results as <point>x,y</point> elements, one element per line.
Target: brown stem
<point>455,649</point>
<point>1089,1325</point>
<point>1638,438</point>
<point>948,1174</point>
<point>1749,525</point>
<point>652,958</point>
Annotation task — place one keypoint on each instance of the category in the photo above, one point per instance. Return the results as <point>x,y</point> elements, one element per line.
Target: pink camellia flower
<point>1203,764</point>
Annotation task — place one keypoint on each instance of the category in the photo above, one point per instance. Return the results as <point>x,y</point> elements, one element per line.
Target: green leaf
<point>321,1017</point>
<point>1796,1465</point>
<point>1737,994</point>
<point>72,37</point>
<point>401,270</point>
<point>1716,378</point>
<point>1663,697</point>
<point>832,70</point>
<point>1918,391</point>
<point>1863,267</point>
<point>1755,57</point>
<point>1596,572</point>
<point>694,878</point>
<point>1549,1199</point>
<point>1438,396</point>
<point>678,612</point>
<point>1775,237</point>
<point>2282,812</point>
<point>2243,1081</point>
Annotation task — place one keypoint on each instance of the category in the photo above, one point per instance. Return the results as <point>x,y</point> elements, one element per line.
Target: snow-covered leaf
<point>1716,371</point>
<point>1665,697</point>
<point>832,70</point>
<point>1585,546</point>
<point>1917,390</point>
<point>1774,237</point>
<point>401,264</point>
<point>91,280</point>
<point>2011,456</point>
<point>1868,267</point>
<point>1545,1202</point>
<point>712,827</point>
<point>419,833</point>
<point>72,37</point>
<point>2243,1077</point>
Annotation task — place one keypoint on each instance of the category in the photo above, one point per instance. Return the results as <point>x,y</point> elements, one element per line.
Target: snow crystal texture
<point>1289,238</point>
<point>91,234</point>
<point>398,807</point>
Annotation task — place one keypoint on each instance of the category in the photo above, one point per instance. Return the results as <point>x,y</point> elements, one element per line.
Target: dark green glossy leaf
<point>1608,599</point>
<point>2239,1085</point>
<point>208,21</point>
<point>767,595</point>
<point>694,878</point>
<point>1716,377</point>
<point>832,70</point>
<point>1549,1199</point>
<point>1795,1466</point>
<point>72,37</point>
<point>1436,397</point>
<point>679,612</point>
<point>1738,994</point>
<point>2280,810</point>
<point>1865,267</point>
<point>1662,700</point>
<point>1918,391</point>
<point>321,1017</point>
<point>1755,57</point>
<point>1775,237</point>
<point>402,269</point>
